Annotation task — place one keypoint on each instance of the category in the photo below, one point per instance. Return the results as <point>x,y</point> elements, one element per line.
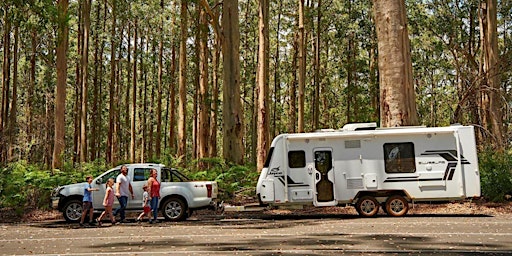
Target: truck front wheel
<point>174,209</point>
<point>72,210</point>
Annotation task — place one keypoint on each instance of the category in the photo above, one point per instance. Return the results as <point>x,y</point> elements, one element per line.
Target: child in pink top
<point>108,201</point>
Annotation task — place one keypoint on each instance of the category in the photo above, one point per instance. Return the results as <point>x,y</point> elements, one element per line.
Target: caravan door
<point>323,178</point>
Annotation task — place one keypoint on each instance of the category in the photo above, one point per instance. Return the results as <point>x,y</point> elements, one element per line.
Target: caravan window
<point>399,157</point>
<point>297,159</point>
<point>269,157</point>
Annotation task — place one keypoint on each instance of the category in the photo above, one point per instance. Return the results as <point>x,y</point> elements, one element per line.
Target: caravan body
<point>369,167</point>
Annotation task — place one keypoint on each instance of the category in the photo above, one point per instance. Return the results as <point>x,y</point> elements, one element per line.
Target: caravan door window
<point>297,159</point>
<point>399,157</point>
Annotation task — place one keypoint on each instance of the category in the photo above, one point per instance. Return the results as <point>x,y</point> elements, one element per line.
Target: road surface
<point>269,235</point>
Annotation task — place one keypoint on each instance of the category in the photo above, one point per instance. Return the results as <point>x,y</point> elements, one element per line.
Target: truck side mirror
<point>99,181</point>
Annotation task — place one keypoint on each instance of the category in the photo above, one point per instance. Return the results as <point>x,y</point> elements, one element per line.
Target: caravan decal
<point>451,158</point>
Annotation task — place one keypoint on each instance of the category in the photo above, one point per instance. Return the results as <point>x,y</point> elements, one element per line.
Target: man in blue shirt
<point>87,202</point>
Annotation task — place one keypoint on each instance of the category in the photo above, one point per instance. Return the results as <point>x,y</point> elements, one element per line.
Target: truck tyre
<point>396,206</point>
<point>367,206</point>
<point>72,210</point>
<point>174,209</point>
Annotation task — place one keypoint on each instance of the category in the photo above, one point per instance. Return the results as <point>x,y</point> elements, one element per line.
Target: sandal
<point>99,222</point>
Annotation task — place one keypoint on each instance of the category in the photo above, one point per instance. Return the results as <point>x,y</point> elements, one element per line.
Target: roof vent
<point>360,126</point>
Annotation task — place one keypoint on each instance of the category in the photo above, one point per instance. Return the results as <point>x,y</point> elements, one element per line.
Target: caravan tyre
<point>367,206</point>
<point>396,206</point>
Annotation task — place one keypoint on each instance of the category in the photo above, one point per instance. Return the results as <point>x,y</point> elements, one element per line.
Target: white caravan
<point>367,167</point>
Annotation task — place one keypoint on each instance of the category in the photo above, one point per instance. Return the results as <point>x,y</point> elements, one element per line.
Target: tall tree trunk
<point>302,67</point>
<point>6,79</point>
<point>263,86</point>
<point>112,136</point>
<point>94,138</point>
<point>215,98</point>
<point>182,100</point>
<point>316,79</point>
<point>134,97</point>
<point>277,77</point>
<point>78,86</point>
<point>172,102</point>
<point>232,109</point>
<point>30,91</point>
<point>493,93</point>
<point>292,94</point>
<point>85,81</point>
<point>158,146</point>
<point>204,101</point>
<point>127,121</point>
<point>14,102</point>
<point>398,106</point>
<point>60,95</point>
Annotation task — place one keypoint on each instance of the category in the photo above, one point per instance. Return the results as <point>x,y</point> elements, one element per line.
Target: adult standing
<point>123,191</point>
<point>154,193</point>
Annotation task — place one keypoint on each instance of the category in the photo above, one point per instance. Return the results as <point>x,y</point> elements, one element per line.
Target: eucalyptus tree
<point>398,106</point>
<point>60,95</point>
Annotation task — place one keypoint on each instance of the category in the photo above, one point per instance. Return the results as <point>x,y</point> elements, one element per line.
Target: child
<point>87,201</point>
<point>145,204</point>
<point>108,201</point>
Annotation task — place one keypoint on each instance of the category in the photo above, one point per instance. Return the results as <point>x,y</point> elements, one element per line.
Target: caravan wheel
<point>397,206</point>
<point>367,206</point>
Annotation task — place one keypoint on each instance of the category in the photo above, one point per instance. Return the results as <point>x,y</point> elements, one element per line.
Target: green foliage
<point>29,186</point>
<point>231,179</point>
<point>496,176</point>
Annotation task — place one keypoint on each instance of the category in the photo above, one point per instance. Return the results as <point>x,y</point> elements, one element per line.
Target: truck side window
<point>141,174</point>
<point>399,157</point>
<point>297,159</point>
<point>113,174</point>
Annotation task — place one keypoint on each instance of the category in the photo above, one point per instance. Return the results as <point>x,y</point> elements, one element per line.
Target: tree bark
<point>112,135</point>
<point>60,95</point>
<point>492,93</point>
<point>232,110</point>
<point>262,85</point>
<point>182,100</point>
<point>398,106</point>
<point>6,79</point>
<point>85,81</point>
<point>134,97</point>
<point>302,67</point>
<point>158,146</point>
<point>14,102</point>
<point>204,101</point>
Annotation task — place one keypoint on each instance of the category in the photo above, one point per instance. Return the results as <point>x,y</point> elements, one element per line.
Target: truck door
<point>324,178</point>
<point>139,179</point>
<point>100,182</point>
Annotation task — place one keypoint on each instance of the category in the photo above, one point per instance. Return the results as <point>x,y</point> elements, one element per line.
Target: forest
<point>199,82</point>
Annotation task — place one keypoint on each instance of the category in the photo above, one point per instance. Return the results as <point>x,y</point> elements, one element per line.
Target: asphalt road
<point>269,235</point>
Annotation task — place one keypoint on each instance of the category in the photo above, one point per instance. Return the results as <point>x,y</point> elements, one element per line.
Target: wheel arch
<point>63,201</point>
<point>163,200</point>
<point>382,194</point>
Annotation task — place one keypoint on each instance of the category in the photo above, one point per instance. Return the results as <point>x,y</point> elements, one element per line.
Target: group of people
<point>122,191</point>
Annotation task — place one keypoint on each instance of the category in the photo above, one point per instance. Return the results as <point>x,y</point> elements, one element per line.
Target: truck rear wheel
<point>72,210</point>
<point>396,206</point>
<point>174,209</point>
<point>367,206</point>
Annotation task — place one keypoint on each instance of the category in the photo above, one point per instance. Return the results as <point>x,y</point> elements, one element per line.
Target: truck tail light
<point>209,190</point>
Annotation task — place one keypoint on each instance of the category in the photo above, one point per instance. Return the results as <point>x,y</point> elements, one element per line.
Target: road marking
<point>254,235</point>
<point>300,252</point>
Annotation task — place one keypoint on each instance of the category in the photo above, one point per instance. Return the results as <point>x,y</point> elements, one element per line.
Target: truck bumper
<point>55,203</point>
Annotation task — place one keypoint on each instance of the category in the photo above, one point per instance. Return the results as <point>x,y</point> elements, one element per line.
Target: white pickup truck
<point>179,195</point>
